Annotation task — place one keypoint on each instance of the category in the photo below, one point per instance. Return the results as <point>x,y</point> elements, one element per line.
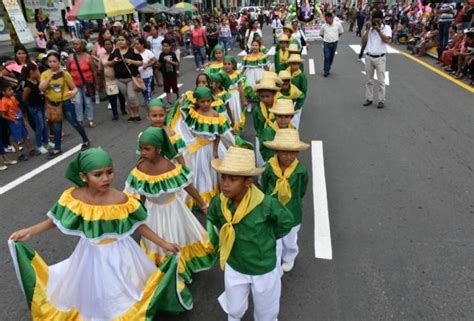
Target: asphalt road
<point>400,195</point>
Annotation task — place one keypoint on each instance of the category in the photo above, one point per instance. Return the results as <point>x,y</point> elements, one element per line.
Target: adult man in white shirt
<point>330,32</point>
<point>155,40</point>
<point>376,36</point>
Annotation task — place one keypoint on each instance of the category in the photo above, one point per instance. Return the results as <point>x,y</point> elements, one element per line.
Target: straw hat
<point>237,161</point>
<point>287,139</point>
<point>272,75</point>
<point>293,48</point>
<point>283,107</point>
<point>295,58</point>
<point>117,24</point>
<point>284,38</point>
<point>284,75</point>
<point>268,84</point>
<point>289,27</point>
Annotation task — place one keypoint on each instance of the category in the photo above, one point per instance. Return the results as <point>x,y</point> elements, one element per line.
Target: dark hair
<point>377,14</point>
<point>454,27</point>
<point>53,54</point>
<point>100,38</point>
<point>205,75</point>
<point>166,41</point>
<point>22,48</point>
<point>142,41</point>
<point>328,14</point>
<point>109,40</point>
<point>25,72</point>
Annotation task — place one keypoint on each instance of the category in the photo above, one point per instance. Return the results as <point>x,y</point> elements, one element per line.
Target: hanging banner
<point>18,21</point>
<point>4,33</point>
<point>50,8</point>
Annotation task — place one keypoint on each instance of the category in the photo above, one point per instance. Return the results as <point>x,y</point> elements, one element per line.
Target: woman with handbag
<point>126,62</point>
<point>81,66</point>
<point>59,89</point>
<point>111,86</point>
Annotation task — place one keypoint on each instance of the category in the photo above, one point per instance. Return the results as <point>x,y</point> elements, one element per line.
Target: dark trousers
<point>362,49</point>
<point>351,25</point>
<point>360,25</point>
<point>443,28</point>
<point>329,52</point>
<point>70,115</point>
<point>113,103</point>
<point>212,42</point>
<point>5,132</point>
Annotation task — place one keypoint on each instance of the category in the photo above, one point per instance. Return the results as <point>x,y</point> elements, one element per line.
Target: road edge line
<point>439,72</point>
<point>322,230</point>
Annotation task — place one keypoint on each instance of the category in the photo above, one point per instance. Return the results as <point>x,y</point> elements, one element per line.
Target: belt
<point>375,56</point>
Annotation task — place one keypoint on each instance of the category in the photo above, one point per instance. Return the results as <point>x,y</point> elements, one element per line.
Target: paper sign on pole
<point>18,21</point>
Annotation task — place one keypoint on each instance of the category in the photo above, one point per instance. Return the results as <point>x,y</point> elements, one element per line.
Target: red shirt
<point>233,25</point>
<point>197,37</point>
<point>85,68</point>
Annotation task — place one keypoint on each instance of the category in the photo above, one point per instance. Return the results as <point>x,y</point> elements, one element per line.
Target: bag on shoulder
<point>138,82</point>
<point>54,111</point>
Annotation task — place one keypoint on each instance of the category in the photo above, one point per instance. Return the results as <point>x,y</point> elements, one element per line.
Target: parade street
<point>399,185</point>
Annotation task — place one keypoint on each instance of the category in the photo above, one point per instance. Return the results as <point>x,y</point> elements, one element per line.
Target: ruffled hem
<point>163,290</point>
<point>154,185</point>
<point>208,126</point>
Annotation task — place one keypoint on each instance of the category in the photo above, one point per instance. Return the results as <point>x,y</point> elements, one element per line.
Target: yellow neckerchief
<point>269,117</point>
<point>284,55</point>
<point>282,186</point>
<point>295,74</point>
<point>294,93</point>
<point>251,200</point>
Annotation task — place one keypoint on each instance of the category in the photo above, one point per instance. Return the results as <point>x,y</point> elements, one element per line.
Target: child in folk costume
<point>107,276</point>
<point>156,116</point>
<point>290,91</point>
<point>254,64</point>
<point>298,78</point>
<point>294,48</point>
<point>219,83</point>
<point>262,117</point>
<point>216,64</point>
<point>210,132</point>
<point>284,113</point>
<point>282,53</point>
<point>249,224</point>
<point>286,179</point>
<point>237,83</point>
<point>159,181</point>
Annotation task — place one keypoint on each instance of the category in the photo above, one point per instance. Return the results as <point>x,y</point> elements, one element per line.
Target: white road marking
<point>271,52</point>
<point>242,53</point>
<point>189,57</point>
<point>362,60</point>
<point>304,52</point>
<point>387,77</point>
<point>356,48</point>
<point>311,66</point>
<point>163,95</point>
<point>390,49</point>
<point>38,170</point>
<point>322,230</point>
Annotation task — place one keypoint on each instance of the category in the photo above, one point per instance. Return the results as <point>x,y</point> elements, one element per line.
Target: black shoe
<point>115,117</point>
<point>326,74</point>
<point>380,105</point>
<point>52,155</point>
<point>367,103</point>
<point>131,119</point>
<point>85,146</point>
<point>138,119</point>
<point>124,113</point>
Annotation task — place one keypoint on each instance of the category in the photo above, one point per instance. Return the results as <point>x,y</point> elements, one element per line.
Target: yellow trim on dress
<point>174,138</point>
<point>156,178</point>
<point>199,143</point>
<point>219,120</point>
<point>206,197</point>
<point>91,212</point>
<point>234,75</point>
<point>258,57</point>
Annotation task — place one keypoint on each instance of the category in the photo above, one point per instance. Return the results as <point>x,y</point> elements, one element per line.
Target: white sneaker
<point>42,150</point>
<point>287,267</point>
<point>50,145</point>
<point>3,167</point>
<point>109,107</point>
<point>9,149</point>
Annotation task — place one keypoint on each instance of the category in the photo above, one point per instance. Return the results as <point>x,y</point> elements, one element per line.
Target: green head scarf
<point>203,92</point>
<point>232,60</point>
<point>159,138</point>
<point>221,78</point>
<point>157,102</point>
<point>87,161</point>
<point>213,52</point>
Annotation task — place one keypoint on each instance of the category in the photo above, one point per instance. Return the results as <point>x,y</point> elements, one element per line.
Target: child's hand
<point>204,209</point>
<point>171,247</point>
<point>21,235</point>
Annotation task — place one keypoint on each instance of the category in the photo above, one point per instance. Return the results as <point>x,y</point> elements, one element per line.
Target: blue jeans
<point>199,55</point>
<point>148,90</point>
<point>329,52</point>
<point>79,103</point>
<point>443,28</point>
<point>70,115</point>
<point>225,42</point>
<point>41,131</point>
<point>233,39</point>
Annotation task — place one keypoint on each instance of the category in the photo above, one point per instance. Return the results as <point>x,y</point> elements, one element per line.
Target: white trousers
<point>287,246</point>
<point>375,65</point>
<point>266,290</point>
<point>295,121</point>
